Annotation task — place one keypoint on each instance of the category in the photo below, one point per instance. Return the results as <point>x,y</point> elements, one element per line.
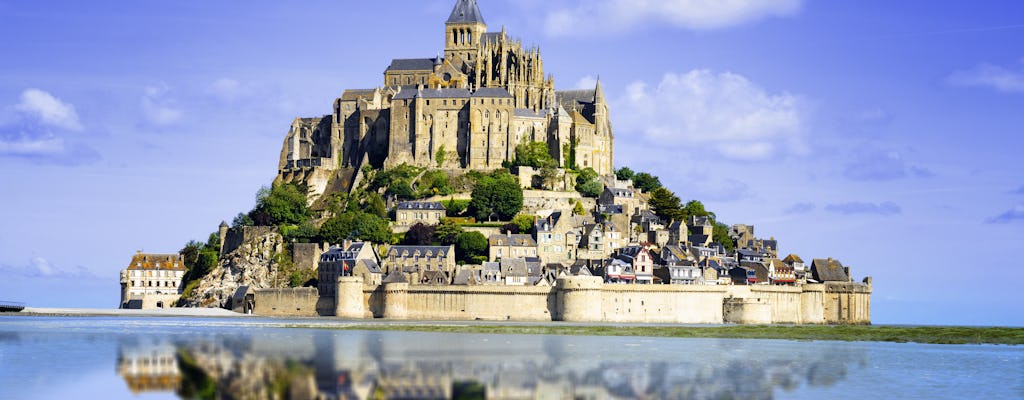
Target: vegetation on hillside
<point>496,196</point>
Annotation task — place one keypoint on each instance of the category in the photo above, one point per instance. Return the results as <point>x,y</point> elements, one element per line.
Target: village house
<point>829,270</point>
<point>678,233</point>
<point>152,281</point>
<point>412,261</point>
<point>624,197</point>
<point>556,237</point>
<point>514,271</point>
<point>618,271</point>
<point>640,259</point>
<point>599,241</point>
<point>355,259</point>
<point>799,268</point>
<point>511,246</point>
<point>779,273</point>
<point>713,272</point>
<point>409,213</point>
<point>680,267</point>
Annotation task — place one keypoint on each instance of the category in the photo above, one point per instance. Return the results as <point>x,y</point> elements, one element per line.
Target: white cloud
<point>159,108</point>
<point>586,82</point>
<point>990,76</point>
<point>228,89</point>
<point>41,266</point>
<point>725,113</point>
<point>32,147</point>
<point>49,110</point>
<point>609,16</point>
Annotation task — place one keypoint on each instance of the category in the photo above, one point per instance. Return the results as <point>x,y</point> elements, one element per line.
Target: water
<point>153,358</point>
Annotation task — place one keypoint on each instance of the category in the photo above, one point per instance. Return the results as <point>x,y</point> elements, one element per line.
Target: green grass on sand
<point>858,333</point>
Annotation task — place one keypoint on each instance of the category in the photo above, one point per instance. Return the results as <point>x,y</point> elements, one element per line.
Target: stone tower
<point>463,32</point>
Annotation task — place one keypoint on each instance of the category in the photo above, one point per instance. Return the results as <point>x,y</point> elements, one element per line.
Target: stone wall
<point>295,302</point>
<point>307,255</point>
<point>588,299</point>
<point>534,200</point>
<point>237,236</point>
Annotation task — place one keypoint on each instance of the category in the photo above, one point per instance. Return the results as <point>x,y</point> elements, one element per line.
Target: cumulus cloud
<point>990,76</point>
<point>586,82</point>
<point>159,108</point>
<point>1014,214</point>
<point>43,128</point>
<point>872,163</point>
<point>610,16</point>
<point>800,208</point>
<point>856,208</point>
<point>229,90</point>
<point>721,112</point>
<point>48,110</point>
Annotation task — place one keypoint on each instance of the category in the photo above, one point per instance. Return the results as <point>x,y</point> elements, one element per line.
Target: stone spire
<point>599,92</point>
<point>466,11</point>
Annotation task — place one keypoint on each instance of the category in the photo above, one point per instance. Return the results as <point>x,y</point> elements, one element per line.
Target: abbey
<point>466,110</point>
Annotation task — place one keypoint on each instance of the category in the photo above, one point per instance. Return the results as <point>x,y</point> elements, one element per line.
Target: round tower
<point>579,299</point>
<point>348,301</point>
<point>222,232</point>
<point>395,298</point>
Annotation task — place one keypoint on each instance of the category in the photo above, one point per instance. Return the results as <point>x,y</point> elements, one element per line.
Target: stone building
<point>152,281</point>
<point>466,110</point>
<point>354,259</point>
<point>409,213</point>
<point>412,261</point>
<point>511,246</point>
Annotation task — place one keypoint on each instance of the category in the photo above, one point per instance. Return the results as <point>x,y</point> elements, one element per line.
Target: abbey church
<point>466,110</point>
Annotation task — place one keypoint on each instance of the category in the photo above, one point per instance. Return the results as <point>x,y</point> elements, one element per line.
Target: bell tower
<point>463,32</point>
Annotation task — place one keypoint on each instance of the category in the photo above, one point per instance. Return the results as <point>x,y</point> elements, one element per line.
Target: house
<point>534,270</point>
<point>641,261</point>
<point>624,197</point>
<point>511,246</point>
<point>799,269</point>
<point>409,213</point>
<point>355,259</point>
<point>514,271</point>
<point>779,273</point>
<point>434,278</point>
<point>618,271</point>
<point>556,237</point>
<point>742,235</point>
<point>491,273</point>
<point>658,237</point>
<point>829,270</point>
<point>152,281</point>
<point>699,240</point>
<point>713,272</point>
<point>414,260</point>
<point>761,272</point>
<point>678,233</point>
<point>598,241</point>
<point>700,226</point>
<point>749,255</point>
<point>680,267</point>
<point>742,276</point>
<point>468,276</point>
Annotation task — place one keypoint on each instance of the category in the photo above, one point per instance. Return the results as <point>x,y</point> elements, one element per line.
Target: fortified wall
<point>588,299</point>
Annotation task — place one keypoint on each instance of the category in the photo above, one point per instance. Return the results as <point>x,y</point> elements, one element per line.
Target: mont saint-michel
<point>466,186</point>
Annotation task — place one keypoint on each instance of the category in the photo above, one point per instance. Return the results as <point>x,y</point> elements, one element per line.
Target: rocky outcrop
<point>251,264</point>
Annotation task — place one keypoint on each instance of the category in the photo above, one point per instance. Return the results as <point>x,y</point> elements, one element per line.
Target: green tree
<point>375,205</point>
<point>469,245</point>
<point>200,258</point>
<point>496,195</point>
<point>524,222</point>
<point>578,208</point>
<point>447,231</point>
<point>694,208</point>
<point>242,219</point>
<point>356,226</point>
<point>420,235</point>
<point>534,154</point>
<point>720,235</point>
<point>624,174</point>
<point>667,205</point>
<point>440,156</point>
<point>646,182</point>
<point>587,183</point>
<point>548,177</point>
<point>282,204</point>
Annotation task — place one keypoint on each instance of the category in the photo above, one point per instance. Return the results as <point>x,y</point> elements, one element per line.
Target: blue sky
<point>884,134</point>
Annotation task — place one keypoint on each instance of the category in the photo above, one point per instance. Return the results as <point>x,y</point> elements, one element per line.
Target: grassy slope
<point>934,335</point>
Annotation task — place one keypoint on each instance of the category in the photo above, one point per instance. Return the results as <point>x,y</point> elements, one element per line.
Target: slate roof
<point>514,267</point>
<point>548,224</point>
<point>512,240</point>
<point>573,98</point>
<point>698,238</point>
<point>395,276</point>
<point>435,251</point>
<point>828,270</point>
<point>491,37</point>
<point>443,93</point>
<point>674,251</point>
<point>749,253</point>
<point>492,93</point>
<point>420,205</point>
<point>372,266</point>
<point>466,11</point>
<point>617,192</point>
<point>412,64</point>
<point>528,113</point>
<point>611,208</point>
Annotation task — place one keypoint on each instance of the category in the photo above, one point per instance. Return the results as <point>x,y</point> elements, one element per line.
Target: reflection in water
<point>395,365</point>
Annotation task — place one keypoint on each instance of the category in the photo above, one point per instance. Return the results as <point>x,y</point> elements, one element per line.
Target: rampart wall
<point>581,299</point>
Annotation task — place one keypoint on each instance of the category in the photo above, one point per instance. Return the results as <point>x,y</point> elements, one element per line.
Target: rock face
<point>250,264</point>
